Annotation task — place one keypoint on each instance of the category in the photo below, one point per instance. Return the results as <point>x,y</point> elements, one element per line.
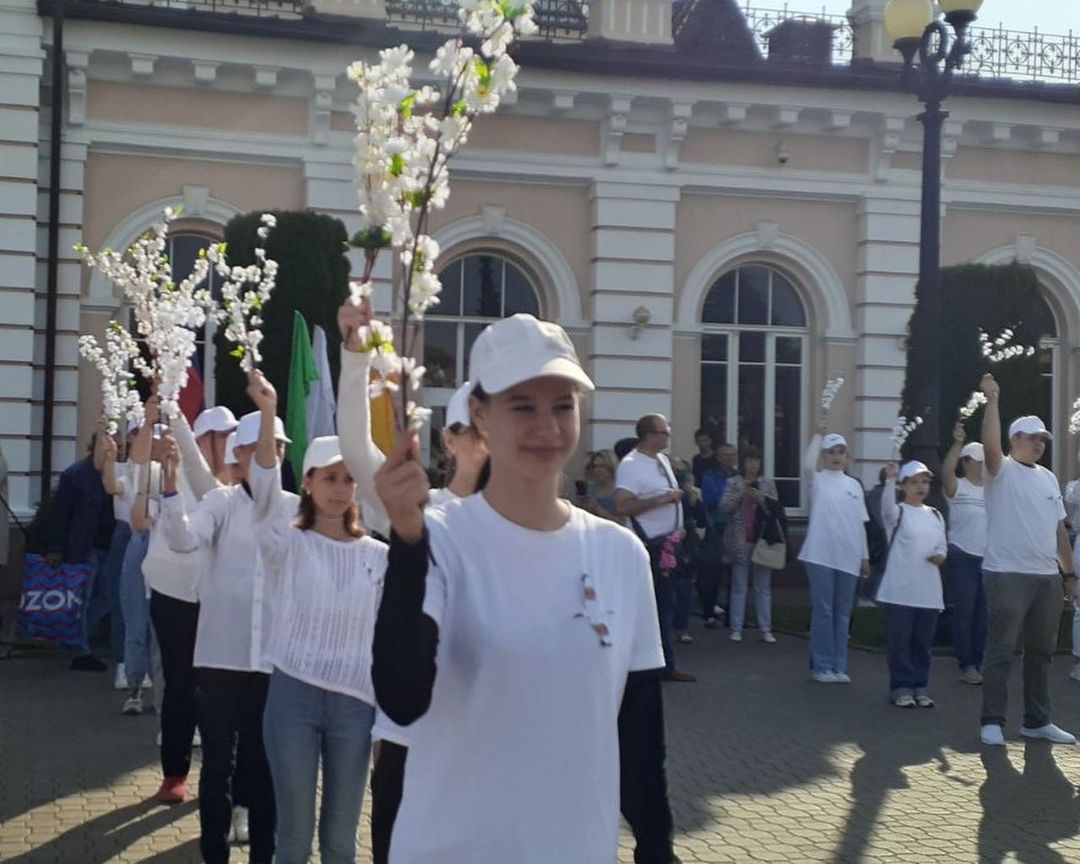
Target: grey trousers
<point>1020,603</point>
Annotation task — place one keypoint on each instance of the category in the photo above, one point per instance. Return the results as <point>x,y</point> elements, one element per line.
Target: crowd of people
<point>368,617</point>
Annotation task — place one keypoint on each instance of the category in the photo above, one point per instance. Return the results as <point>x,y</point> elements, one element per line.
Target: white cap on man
<point>520,348</point>
<point>322,453</point>
<point>216,419</point>
<point>1029,425</point>
<point>457,409</point>
<point>833,439</point>
<point>230,449</point>
<point>247,430</point>
<point>914,469</point>
<point>973,451</point>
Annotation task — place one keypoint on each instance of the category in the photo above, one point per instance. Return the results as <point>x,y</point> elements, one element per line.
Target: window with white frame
<point>478,288</point>
<point>754,346</point>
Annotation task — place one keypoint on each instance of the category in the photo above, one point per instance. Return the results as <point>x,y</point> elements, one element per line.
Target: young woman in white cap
<point>468,473</point>
<point>910,589</point>
<point>1027,568</point>
<point>324,580</point>
<point>518,639</point>
<point>231,670</point>
<point>834,553</point>
<point>211,430</point>
<point>967,542</point>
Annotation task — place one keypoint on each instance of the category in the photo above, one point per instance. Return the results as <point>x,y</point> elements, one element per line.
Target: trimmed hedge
<point>993,298</point>
<point>313,277</point>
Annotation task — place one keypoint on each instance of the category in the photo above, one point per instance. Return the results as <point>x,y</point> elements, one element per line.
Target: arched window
<point>754,347</point>
<point>183,250</point>
<point>478,288</point>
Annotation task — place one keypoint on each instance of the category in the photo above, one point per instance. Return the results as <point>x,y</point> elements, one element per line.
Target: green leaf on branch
<point>407,105</point>
<point>483,71</point>
<point>460,108</point>
<point>397,165</point>
<point>370,239</point>
<point>238,352</point>
<point>419,198</point>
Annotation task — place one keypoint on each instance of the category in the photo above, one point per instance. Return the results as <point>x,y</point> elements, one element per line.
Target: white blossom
<point>976,399</point>
<point>902,431</point>
<point>832,387</point>
<point>1001,348</point>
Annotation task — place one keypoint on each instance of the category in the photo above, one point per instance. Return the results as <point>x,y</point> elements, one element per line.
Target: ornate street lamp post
<point>931,55</point>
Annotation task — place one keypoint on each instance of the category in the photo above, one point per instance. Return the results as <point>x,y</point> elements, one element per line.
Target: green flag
<point>302,373</point>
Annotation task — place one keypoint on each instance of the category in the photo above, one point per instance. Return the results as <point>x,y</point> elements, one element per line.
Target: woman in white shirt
<point>231,672</point>
<point>834,553</point>
<point>910,590</point>
<point>518,639</point>
<point>324,579</point>
<point>967,542</point>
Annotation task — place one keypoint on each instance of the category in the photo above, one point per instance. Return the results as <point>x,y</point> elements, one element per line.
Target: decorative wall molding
<point>617,121</point>
<point>680,124</point>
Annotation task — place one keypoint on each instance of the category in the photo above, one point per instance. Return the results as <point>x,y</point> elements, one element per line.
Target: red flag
<point>192,396</point>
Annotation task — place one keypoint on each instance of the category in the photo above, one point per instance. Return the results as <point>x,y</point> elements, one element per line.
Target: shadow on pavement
<point>1023,813</point>
<point>102,838</point>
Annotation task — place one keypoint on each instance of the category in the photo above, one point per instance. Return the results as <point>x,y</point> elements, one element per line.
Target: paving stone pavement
<point>763,766</point>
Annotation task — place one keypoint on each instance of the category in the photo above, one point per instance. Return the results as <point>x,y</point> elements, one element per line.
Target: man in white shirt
<point>648,494</point>
<point>1027,552</point>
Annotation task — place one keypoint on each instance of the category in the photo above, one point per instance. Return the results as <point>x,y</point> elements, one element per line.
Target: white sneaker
<point>240,832</point>
<point>718,611</point>
<point>823,677</point>
<point>736,636</point>
<point>841,678</point>
<point>686,639</point>
<point>147,682</point>
<point>120,681</point>
<point>133,706</point>
<point>992,735</point>
<point>904,700</point>
<point>1050,733</point>
<point>1074,673</point>
<point>768,637</point>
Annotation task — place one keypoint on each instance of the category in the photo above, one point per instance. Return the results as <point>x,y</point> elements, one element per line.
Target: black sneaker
<point>88,663</point>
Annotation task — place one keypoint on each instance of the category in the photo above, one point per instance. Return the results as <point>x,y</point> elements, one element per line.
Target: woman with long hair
<point>517,638</point>
<point>324,579</point>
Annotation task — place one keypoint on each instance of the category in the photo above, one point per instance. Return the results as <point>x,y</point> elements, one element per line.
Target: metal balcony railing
<point>557,19</point>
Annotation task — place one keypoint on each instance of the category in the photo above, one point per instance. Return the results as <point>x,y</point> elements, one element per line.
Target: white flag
<point>321,407</point>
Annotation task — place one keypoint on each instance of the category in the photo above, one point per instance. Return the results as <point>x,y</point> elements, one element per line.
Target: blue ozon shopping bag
<point>52,599</point>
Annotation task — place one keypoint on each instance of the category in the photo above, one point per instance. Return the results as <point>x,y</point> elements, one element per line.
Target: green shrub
<point>313,277</point>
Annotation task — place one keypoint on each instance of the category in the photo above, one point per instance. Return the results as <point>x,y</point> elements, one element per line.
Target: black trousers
<point>229,706</point>
<point>387,784</point>
<point>175,623</point>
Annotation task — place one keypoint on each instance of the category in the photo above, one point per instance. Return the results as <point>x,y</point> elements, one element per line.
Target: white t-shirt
<point>235,615</point>
<point>517,759</point>
<point>910,579</point>
<point>174,574</point>
<point>836,535</point>
<point>124,499</point>
<point>967,518</point>
<point>646,476</point>
<point>1023,509</point>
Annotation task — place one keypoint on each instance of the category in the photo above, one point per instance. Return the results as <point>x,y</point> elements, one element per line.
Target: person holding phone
<point>596,493</point>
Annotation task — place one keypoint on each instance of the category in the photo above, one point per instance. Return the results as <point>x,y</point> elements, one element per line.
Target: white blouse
<point>325,595</point>
<point>836,535</point>
<point>910,578</point>
<point>234,613</point>
<point>967,518</point>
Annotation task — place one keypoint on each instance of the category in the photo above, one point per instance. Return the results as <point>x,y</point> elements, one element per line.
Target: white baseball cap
<point>247,430</point>
<point>520,348</point>
<point>973,451</point>
<point>913,469</point>
<point>322,453</point>
<point>230,449</point>
<point>216,419</point>
<point>1030,425</point>
<point>457,409</point>
<point>833,439</point>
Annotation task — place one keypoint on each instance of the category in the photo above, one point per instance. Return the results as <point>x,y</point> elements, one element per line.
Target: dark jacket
<point>81,518</point>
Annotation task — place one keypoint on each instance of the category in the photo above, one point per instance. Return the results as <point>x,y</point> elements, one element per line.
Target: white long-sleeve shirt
<point>362,456</point>
<point>910,578</point>
<point>325,595</point>
<point>235,615</point>
<point>836,535</point>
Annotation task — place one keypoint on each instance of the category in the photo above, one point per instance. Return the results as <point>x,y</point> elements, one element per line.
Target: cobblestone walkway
<point>763,765</point>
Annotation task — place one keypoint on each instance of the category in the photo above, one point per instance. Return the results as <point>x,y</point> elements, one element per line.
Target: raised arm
<point>362,457</point>
<point>271,525</point>
<point>197,473</point>
<point>991,426</point>
<point>952,459</point>
<point>185,532</point>
<point>890,510</point>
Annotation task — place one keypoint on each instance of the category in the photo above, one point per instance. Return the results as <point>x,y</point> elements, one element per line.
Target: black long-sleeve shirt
<point>404,669</point>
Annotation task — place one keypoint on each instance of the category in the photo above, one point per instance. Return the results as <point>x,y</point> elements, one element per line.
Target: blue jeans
<point>684,593</point>
<point>964,582</point>
<point>137,632</point>
<point>95,606</point>
<point>301,723</point>
<point>832,596</point>
<point>109,587</point>
<point>911,641</point>
<point>740,584</point>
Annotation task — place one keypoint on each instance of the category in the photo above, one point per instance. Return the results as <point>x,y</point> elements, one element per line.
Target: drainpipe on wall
<point>53,263</point>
